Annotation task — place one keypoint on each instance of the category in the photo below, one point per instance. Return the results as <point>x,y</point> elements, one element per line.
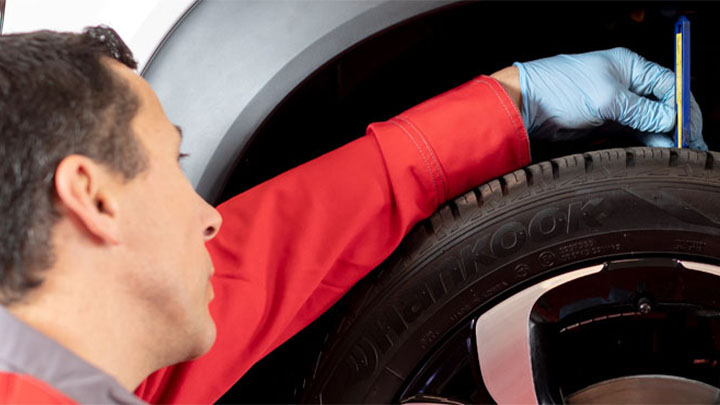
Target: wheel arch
<point>231,114</point>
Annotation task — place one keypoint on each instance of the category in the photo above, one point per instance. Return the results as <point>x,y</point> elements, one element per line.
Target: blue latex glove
<point>565,94</point>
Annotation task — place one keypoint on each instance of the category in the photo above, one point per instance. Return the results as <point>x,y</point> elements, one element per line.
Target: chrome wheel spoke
<point>503,340</point>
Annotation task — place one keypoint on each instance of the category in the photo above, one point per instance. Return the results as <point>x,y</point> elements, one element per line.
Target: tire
<point>507,234</point>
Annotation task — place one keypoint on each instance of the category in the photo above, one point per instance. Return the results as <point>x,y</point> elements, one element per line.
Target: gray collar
<point>24,350</point>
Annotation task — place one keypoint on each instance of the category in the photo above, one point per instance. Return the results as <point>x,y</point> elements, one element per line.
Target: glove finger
<point>655,139</point>
<point>696,140</point>
<point>698,144</point>
<point>643,114</point>
<point>648,78</point>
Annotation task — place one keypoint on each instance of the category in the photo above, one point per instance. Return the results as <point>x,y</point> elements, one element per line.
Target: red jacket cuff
<point>478,115</point>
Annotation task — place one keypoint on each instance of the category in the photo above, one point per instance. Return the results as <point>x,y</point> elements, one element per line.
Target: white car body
<point>143,24</point>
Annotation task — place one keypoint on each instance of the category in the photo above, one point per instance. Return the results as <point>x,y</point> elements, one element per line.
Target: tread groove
<point>428,226</point>
<point>478,196</point>
<point>588,163</point>
<point>555,169</point>
<point>528,176</point>
<point>503,185</point>
<point>454,209</point>
<point>709,161</point>
<point>674,157</point>
<point>629,159</point>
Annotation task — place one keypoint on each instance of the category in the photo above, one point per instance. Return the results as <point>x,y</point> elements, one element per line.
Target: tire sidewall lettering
<point>545,225</point>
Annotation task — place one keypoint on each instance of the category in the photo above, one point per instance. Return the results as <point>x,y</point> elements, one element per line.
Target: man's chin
<point>205,340</point>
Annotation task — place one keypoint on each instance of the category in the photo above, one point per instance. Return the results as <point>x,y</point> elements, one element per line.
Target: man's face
<point>165,225</point>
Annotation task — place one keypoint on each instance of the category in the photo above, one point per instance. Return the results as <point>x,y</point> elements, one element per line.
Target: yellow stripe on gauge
<point>678,87</point>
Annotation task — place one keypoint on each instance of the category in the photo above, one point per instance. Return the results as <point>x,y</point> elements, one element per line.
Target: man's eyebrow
<point>179,131</point>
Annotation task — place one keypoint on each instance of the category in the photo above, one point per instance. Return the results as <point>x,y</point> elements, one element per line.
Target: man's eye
<point>182,156</point>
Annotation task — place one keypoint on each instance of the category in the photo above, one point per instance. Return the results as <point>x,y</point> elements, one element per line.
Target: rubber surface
<point>536,222</point>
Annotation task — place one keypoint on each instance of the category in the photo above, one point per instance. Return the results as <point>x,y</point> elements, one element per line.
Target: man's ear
<point>87,191</point>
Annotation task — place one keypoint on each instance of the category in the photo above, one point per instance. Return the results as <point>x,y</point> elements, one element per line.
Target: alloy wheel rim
<point>505,360</point>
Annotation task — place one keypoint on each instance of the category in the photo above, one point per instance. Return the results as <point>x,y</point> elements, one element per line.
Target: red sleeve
<point>291,247</point>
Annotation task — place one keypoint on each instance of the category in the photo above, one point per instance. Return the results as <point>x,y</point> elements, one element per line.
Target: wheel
<point>565,281</point>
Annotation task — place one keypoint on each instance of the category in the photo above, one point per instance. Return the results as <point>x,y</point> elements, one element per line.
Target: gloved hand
<point>567,93</point>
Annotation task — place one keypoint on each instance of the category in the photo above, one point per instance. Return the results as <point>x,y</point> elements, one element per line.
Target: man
<point>110,260</point>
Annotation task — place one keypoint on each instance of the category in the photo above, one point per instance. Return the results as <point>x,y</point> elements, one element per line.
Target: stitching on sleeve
<point>430,152</point>
<point>502,101</point>
<point>518,128</point>
<point>427,165</point>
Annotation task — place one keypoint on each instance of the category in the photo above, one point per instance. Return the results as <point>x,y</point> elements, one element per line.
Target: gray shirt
<point>24,350</point>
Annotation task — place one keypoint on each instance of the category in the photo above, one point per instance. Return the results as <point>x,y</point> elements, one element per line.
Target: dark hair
<point>57,97</point>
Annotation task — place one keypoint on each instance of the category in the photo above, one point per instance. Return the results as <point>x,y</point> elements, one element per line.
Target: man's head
<point>95,203</point>
<point>56,99</point>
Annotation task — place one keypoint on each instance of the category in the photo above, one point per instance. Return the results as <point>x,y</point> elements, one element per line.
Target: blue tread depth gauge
<point>682,81</point>
<point>2,15</point>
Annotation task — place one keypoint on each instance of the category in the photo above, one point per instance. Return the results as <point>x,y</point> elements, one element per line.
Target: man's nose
<point>211,219</point>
